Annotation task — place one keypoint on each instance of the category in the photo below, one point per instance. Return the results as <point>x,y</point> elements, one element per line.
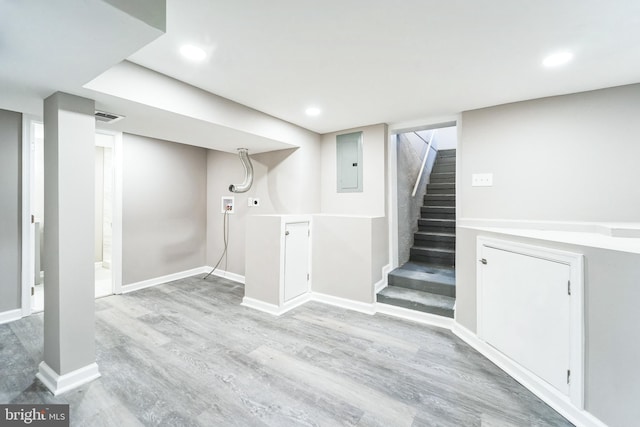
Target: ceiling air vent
<point>105,117</point>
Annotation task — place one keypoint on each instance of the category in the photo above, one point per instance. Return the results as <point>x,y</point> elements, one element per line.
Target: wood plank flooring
<point>187,354</point>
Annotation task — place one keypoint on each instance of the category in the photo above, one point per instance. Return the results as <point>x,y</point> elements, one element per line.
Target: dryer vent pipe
<point>248,173</point>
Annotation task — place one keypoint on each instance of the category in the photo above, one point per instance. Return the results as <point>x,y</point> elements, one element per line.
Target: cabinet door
<point>525,312</point>
<point>296,260</point>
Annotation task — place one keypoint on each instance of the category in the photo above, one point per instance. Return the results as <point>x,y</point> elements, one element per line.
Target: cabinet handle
<point>286,233</point>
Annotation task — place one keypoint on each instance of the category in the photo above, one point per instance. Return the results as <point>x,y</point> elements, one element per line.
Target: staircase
<point>427,282</point>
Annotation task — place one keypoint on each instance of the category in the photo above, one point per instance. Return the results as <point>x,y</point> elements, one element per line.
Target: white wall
<point>567,158</point>
<point>285,181</point>
<point>447,138</point>
<point>164,208</point>
<point>372,200</point>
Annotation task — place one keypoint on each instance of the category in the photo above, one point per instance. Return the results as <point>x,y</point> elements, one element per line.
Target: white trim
<point>224,274</point>
<point>27,249</point>
<point>623,237</point>
<point>58,384</point>
<point>274,309</point>
<point>361,307</point>
<point>11,315</point>
<point>116,223</point>
<point>392,205</point>
<point>576,265</point>
<point>383,282</point>
<point>425,124</point>
<point>163,279</point>
<point>415,316</point>
<point>530,381</point>
<point>265,307</point>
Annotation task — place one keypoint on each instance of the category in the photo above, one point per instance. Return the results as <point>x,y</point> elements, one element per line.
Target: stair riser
<point>445,161</point>
<point>447,153</point>
<point>444,169</point>
<point>420,285</point>
<point>440,189</point>
<point>449,261</point>
<point>438,215</point>
<point>423,251</point>
<point>439,244</point>
<point>435,227</point>
<point>442,180</point>
<point>434,208</point>
<point>439,200</point>
<point>416,306</point>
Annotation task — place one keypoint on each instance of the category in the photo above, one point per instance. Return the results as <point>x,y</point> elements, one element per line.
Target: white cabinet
<point>530,309</point>
<point>277,262</point>
<point>296,259</point>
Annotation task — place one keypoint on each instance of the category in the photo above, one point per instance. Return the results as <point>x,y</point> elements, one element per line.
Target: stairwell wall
<point>567,158</point>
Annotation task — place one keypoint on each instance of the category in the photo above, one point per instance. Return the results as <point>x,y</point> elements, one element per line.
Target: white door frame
<point>392,165</point>
<point>116,228</point>
<point>27,249</point>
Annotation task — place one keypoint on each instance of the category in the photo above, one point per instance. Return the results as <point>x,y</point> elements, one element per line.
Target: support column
<point>69,282</point>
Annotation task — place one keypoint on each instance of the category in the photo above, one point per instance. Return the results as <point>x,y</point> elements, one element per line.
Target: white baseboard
<point>362,307</point>
<point>225,275</point>
<point>58,384</point>
<point>384,281</point>
<point>261,306</point>
<point>415,316</point>
<point>531,382</point>
<point>274,309</point>
<point>10,315</point>
<point>163,279</point>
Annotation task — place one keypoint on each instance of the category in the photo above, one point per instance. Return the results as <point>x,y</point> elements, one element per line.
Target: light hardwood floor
<point>187,354</point>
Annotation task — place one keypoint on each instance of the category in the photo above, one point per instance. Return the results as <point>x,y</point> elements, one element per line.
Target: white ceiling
<point>374,61</point>
<point>48,46</point>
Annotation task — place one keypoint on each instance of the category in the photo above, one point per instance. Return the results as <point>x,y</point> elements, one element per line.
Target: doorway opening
<point>424,231</point>
<point>106,218</point>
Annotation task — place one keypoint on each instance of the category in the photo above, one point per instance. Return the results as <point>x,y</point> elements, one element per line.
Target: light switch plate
<point>482,180</point>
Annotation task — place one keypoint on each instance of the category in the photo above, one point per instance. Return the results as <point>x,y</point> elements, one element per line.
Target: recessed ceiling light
<point>313,111</point>
<point>192,52</point>
<point>557,59</point>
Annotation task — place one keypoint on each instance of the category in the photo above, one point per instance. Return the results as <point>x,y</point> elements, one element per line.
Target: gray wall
<point>164,208</point>
<point>410,152</point>
<point>285,181</point>
<point>567,158</point>
<point>10,201</point>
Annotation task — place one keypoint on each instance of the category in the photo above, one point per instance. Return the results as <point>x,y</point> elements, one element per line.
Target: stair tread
<point>442,275</point>
<point>438,219</point>
<point>418,297</point>
<point>435,233</point>
<point>434,249</point>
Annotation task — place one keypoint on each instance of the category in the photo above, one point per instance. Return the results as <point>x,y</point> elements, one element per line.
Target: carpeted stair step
<point>439,199</point>
<point>435,256</point>
<point>417,300</point>
<point>442,178</point>
<point>447,153</point>
<point>445,160</point>
<point>435,239</point>
<point>437,225</point>
<point>426,278</point>
<point>438,212</point>
<point>449,188</point>
<point>444,168</point>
